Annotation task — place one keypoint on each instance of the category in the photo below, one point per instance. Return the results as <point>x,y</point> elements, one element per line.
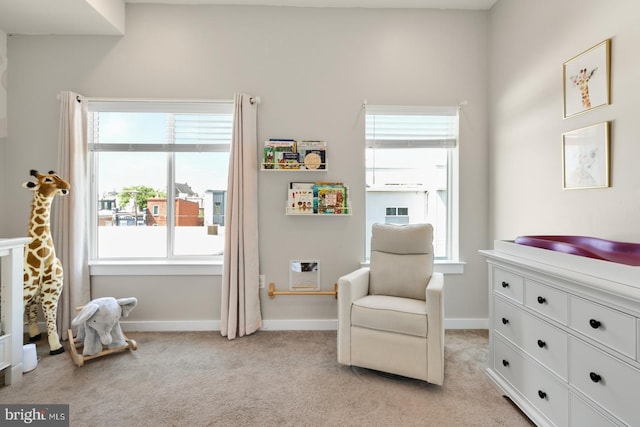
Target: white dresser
<point>11,307</point>
<point>564,340</point>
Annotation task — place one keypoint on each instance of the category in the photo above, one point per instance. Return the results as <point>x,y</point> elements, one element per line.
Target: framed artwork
<point>585,157</point>
<point>587,80</point>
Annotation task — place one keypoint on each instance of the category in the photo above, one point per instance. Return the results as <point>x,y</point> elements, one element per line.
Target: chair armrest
<point>435,334</point>
<point>434,292</point>
<point>351,287</point>
<point>354,285</point>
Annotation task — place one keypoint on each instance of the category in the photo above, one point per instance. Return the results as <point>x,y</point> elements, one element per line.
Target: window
<point>396,215</point>
<point>411,171</point>
<point>397,211</point>
<point>154,167</point>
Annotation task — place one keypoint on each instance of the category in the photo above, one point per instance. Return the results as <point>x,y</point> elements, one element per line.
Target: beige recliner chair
<point>391,314</point>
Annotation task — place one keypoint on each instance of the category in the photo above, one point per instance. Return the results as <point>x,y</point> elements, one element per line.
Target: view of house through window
<point>159,178</point>
<point>411,163</point>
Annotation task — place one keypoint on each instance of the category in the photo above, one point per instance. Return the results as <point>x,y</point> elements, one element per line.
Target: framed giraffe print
<point>585,157</point>
<point>587,80</point>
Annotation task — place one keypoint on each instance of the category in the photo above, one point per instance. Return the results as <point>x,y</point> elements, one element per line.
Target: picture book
<point>275,151</point>
<point>330,198</point>
<point>300,198</point>
<point>312,154</point>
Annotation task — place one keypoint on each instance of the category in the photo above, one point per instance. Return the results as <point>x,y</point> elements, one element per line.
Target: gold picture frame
<point>585,157</point>
<point>586,80</point>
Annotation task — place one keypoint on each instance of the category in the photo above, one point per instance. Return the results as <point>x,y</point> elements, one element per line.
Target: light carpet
<point>271,378</point>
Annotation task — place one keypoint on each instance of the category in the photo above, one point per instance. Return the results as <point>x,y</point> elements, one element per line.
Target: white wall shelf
<point>271,167</point>
<point>345,212</point>
<point>294,155</point>
<point>318,199</point>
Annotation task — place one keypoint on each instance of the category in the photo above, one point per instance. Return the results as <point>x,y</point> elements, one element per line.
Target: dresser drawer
<point>539,339</point>
<point>546,300</point>
<point>508,284</point>
<point>606,380</point>
<point>507,320</point>
<point>582,414</point>
<point>605,325</point>
<point>548,395</point>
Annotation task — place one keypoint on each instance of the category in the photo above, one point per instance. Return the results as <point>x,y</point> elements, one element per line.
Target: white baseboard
<point>300,325</point>
<point>214,325</point>
<point>466,323</point>
<point>171,326</point>
<point>267,325</point>
<point>273,325</point>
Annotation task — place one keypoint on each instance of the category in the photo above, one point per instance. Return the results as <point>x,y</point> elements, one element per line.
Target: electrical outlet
<point>261,281</point>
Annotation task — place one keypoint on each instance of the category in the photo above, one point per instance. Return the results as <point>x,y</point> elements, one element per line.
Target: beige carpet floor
<point>272,378</point>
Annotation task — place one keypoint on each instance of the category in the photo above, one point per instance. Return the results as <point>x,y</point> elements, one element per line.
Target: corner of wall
<point>112,11</point>
<point>3,123</point>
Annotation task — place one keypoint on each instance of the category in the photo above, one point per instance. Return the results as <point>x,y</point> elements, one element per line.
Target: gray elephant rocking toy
<point>99,328</point>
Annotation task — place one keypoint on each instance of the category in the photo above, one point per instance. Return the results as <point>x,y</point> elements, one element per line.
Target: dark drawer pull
<point>505,321</point>
<point>542,394</point>
<point>505,363</point>
<point>505,284</point>
<point>542,300</point>
<point>595,324</point>
<point>595,377</point>
<point>542,344</point>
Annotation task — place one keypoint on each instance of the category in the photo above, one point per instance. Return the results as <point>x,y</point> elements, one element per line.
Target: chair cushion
<point>403,276</point>
<point>391,314</point>
<point>402,239</point>
<point>401,260</point>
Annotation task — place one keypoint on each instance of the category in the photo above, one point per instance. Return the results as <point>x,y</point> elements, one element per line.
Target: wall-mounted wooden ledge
<point>273,293</point>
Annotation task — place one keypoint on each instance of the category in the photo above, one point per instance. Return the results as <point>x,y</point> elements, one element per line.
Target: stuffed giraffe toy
<point>42,269</point>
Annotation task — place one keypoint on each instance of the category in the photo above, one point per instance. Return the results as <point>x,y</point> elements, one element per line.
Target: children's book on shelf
<point>330,198</point>
<point>292,154</point>
<point>321,198</point>
<point>289,161</point>
<point>280,154</point>
<point>300,199</point>
<point>312,154</point>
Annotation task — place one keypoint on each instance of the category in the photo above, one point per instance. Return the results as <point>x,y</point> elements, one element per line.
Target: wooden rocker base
<point>79,359</point>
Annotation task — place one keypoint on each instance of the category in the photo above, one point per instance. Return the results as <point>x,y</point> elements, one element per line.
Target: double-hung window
<point>412,171</point>
<point>158,179</point>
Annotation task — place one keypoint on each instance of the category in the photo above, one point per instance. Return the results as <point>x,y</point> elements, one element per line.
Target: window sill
<point>156,268</point>
<point>440,266</point>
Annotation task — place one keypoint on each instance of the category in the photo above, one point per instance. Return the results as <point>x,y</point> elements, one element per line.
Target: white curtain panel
<point>240,302</point>
<point>69,213</point>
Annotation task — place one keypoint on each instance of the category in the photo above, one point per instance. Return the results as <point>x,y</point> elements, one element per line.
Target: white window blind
<point>188,126</point>
<point>411,127</point>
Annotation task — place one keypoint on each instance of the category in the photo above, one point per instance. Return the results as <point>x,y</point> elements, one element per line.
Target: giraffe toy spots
<point>581,81</point>
<point>43,272</point>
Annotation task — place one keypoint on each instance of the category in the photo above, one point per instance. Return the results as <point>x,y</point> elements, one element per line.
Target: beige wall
<point>529,43</point>
<point>312,67</point>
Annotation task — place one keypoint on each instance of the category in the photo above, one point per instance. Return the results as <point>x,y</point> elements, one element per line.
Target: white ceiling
<point>98,17</point>
<point>397,4</point>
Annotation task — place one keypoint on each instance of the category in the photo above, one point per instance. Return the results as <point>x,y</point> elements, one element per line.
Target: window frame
<point>450,263</point>
<point>171,263</point>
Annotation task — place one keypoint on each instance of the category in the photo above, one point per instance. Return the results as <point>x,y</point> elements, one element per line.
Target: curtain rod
<point>365,103</point>
<point>252,100</point>
<point>94,99</point>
